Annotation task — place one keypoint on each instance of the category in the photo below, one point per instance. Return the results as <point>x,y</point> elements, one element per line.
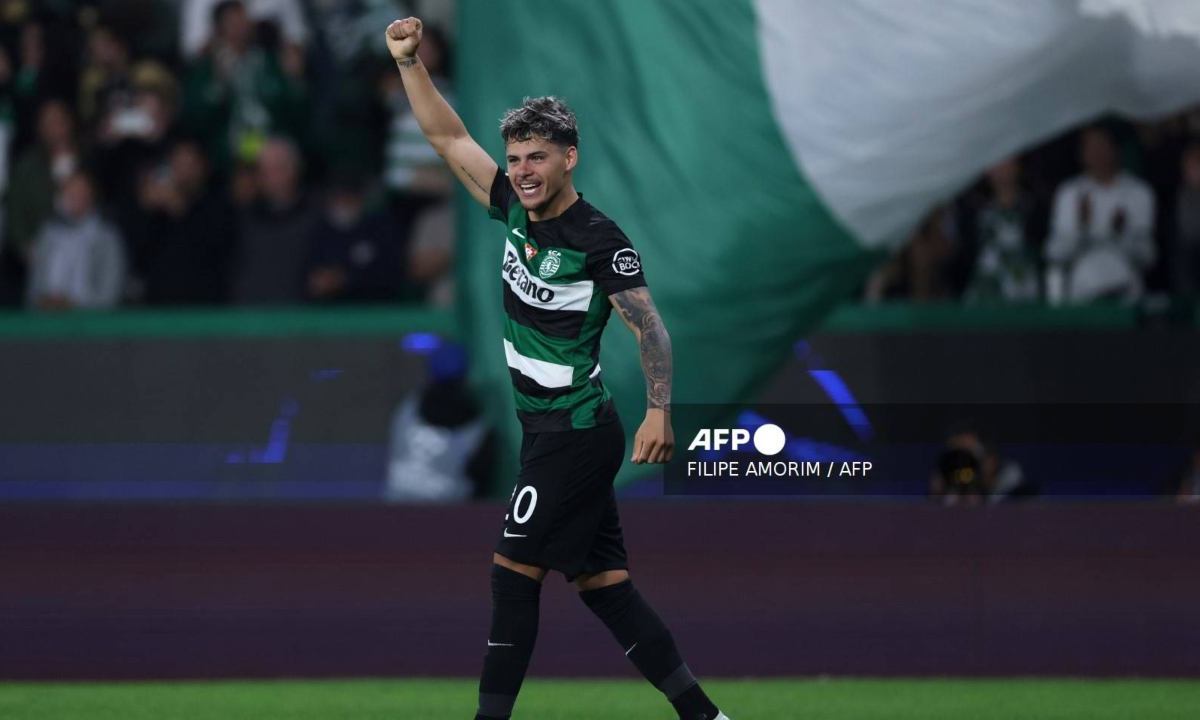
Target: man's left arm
<point>654,441</point>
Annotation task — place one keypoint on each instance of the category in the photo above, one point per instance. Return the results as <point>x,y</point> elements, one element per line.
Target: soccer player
<point>565,266</point>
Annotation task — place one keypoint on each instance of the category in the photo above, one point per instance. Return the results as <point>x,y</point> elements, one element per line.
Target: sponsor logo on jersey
<point>530,251</point>
<point>626,262</point>
<point>520,282</point>
<point>550,263</point>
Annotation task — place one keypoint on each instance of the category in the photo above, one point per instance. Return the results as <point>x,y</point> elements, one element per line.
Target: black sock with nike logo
<point>515,600</point>
<point>649,645</point>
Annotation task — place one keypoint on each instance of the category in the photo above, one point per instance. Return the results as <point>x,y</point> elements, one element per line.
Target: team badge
<point>530,251</point>
<point>550,263</point>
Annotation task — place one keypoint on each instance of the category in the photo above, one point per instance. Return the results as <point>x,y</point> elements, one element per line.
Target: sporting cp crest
<point>550,263</point>
<point>530,251</point>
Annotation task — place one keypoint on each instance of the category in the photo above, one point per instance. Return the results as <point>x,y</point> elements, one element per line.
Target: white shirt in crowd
<point>1101,239</point>
<point>82,261</point>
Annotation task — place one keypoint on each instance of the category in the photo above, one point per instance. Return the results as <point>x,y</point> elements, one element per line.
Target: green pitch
<point>605,700</point>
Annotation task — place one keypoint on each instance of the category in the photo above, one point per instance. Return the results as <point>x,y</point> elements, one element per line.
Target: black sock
<point>510,642</point>
<point>649,645</point>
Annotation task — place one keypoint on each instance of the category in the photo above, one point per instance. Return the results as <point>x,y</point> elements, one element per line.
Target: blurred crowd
<point>262,152</point>
<point>212,152</point>
<point>1107,212</point>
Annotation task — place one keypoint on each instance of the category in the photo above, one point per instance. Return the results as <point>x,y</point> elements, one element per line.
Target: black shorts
<point>563,512</point>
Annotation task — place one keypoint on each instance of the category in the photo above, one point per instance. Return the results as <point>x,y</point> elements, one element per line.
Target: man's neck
<point>563,200</point>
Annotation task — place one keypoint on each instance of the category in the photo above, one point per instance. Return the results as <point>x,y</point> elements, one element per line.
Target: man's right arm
<point>441,125</point>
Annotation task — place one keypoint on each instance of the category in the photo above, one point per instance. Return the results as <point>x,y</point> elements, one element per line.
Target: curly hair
<point>546,117</point>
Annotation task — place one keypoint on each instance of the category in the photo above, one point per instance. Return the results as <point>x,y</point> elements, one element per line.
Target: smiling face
<point>539,170</point>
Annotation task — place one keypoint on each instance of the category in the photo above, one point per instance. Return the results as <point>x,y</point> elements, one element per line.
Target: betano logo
<point>768,439</point>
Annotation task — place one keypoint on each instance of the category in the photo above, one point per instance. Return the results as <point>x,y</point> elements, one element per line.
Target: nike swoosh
<point>508,534</point>
<point>492,644</point>
<point>631,647</point>
<point>518,233</point>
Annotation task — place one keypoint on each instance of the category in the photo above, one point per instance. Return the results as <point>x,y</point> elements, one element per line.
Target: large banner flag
<point>762,154</point>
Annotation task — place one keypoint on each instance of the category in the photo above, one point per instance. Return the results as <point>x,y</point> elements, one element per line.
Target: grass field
<point>813,699</point>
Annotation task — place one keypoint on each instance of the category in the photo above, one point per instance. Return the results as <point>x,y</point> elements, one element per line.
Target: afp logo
<point>768,439</point>
<point>626,262</point>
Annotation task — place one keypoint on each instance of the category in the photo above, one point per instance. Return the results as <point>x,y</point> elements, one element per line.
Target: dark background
<point>751,588</point>
<point>306,417</point>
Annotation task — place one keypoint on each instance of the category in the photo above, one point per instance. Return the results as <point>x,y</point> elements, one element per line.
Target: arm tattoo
<point>477,183</point>
<point>638,311</point>
<point>406,62</point>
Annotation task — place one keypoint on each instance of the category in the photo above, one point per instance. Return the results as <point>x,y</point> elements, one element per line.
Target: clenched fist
<point>403,38</point>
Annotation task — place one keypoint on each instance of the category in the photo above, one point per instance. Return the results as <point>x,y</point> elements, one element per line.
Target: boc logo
<point>626,262</point>
<point>768,439</point>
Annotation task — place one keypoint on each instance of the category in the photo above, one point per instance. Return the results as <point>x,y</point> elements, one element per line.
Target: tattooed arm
<point>441,125</point>
<point>655,441</point>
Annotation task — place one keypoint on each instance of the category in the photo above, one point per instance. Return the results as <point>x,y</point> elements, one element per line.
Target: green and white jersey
<point>557,275</point>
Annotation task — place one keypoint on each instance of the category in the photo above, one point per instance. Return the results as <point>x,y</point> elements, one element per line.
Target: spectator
<point>187,231</point>
<point>110,82</point>
<point>275,232</point>
<point>1185,265</point>
<point>414,173</point>
<point>920,270</point>
<point>237,93</point>
<point>150,26</point>
<point>38,176</point>
<point>197,19</point>
<point>104,83</point>
<point>1007,259</point>
<point>442,448</point>
<point>355,255</point>
<point>349,120</point>
<point>45,68</point>
<point>78,260</point>
<point>28,82</point>
<point>431,255</point>
<point>1101,242</point>
<point>350,30</point>
<point>243,186</point>
<point>418,180</point>
<point>133,139</point>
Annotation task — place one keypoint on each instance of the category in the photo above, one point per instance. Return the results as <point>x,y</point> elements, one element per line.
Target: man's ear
<point>572,157</point>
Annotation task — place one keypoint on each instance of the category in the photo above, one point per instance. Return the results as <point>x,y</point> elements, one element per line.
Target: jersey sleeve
<point>613,263</point>
<point>501,197</point>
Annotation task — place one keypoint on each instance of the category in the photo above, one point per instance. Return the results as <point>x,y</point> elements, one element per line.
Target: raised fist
<point>403,38</point>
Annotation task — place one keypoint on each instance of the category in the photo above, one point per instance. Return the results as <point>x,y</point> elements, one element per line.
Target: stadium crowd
<point>207,152</point>
<point>1109,211</point>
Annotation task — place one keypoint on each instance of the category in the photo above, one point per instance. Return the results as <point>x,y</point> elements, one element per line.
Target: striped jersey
<point>557,275</point>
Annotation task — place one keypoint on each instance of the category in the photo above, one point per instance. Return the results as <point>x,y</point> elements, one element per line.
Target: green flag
<point>762,155</point>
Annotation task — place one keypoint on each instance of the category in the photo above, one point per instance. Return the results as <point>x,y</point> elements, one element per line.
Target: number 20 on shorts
<point>527,491</point>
